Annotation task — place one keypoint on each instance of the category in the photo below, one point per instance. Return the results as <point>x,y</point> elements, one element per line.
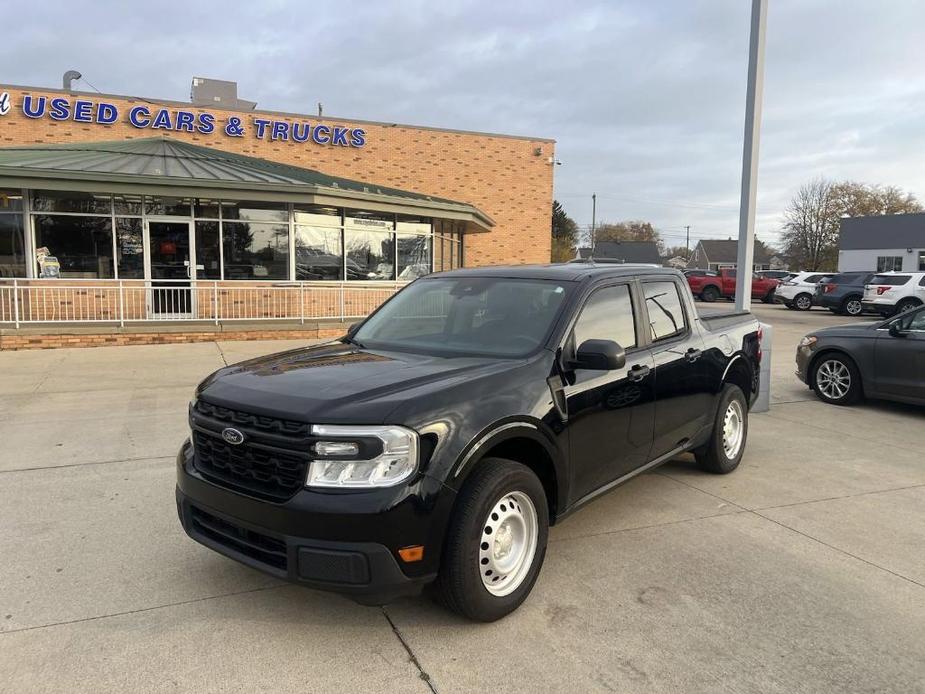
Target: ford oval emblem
<point>233,436</point>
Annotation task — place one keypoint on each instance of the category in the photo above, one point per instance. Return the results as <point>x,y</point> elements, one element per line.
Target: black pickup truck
<point>440,438</point>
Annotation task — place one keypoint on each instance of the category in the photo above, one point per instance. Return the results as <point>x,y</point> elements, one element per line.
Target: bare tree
<point>813,219</point>
<point>629,230</point>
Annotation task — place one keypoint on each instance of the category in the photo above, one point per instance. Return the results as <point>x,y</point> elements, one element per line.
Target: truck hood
<point>338,383</point>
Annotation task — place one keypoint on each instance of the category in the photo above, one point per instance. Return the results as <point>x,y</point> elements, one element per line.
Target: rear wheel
<point>836,380</point>
<point>496,542</point>
<point>769,297</point>
<point>852,306</point>
<point>906,305</point>
<point>721,455</point>
<point>709,294</point>
<point>803,302</point>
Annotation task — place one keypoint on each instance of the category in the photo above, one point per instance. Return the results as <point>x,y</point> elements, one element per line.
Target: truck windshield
<point>481,316</point>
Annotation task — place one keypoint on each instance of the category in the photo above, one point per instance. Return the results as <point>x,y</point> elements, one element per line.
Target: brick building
<point>158,197</point>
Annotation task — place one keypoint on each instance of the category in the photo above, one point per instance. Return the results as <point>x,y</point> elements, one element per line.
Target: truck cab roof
<point>562,272</point>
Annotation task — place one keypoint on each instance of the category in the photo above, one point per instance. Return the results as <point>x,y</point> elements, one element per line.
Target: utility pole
<point>753,96</point>
<point>688,244</point>
<point>593,219</point>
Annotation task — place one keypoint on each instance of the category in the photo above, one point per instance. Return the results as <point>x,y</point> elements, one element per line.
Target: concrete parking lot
<point>804,571</point>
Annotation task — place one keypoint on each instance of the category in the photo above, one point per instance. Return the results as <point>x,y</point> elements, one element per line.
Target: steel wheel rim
<point>508,543</point>
<point>733,429</point>
<point>853,307</point>
<point>833,379</point>
<point>803,302</point>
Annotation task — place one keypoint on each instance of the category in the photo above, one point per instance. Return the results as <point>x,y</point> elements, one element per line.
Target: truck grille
<point>271,463</point>
<point>262,548</point>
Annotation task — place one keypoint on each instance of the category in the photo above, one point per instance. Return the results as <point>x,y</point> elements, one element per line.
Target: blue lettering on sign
<point>60,109</point>
<point>33,108</point>
<point>105,113</point>
<point>83,112</point>
<point>4,103</point>
<point>140,117</point>
<point>206,123</point>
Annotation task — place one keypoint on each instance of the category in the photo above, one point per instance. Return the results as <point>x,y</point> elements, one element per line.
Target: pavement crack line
<point>839,498</point>
<point>421,672</point>
<point>221,353</point>
<point>142,609</point>
<point>153,459</point>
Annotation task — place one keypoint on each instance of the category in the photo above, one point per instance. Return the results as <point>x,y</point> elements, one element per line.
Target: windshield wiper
<point>353,341</point>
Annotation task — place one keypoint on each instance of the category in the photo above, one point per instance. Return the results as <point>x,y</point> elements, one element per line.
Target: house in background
<point>624,252</point>
<point>882,243</point>
<point>720,254</point>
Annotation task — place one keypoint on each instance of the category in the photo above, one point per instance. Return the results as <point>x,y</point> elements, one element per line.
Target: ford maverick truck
<point>436,442</point>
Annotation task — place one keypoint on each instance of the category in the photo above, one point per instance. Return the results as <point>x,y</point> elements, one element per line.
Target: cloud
<point>645,99</point>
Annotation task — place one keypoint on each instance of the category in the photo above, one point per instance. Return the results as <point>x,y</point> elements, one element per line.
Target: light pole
<point>753,96</point>
<point>593,219</point>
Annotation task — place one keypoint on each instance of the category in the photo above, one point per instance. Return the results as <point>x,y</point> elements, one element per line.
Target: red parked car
<point>710,286</point>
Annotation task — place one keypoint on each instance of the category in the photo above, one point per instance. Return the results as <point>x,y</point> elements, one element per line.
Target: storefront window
<point>316,215</point>
<point>256,251</point>
<point>10,200</point>
<point>12,248</point>
<point>206,209</point>
<point>255,211</point>
<point>82,245</point>
<point>130,249</point>
<point>207,251</point>
<point>127,204</point>
<point>413,256</point>
<point>69,201</point>
<point>370,255</point>
<point>318,254</point>
<point>168,206</point>
<point>360,219</point>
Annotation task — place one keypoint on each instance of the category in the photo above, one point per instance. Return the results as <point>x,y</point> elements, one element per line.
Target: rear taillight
<point>881,290</point>
<point>760,337</point>
<point>829,288</point>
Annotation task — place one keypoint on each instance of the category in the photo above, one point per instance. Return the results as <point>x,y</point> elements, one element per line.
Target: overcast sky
<point>645,98</point>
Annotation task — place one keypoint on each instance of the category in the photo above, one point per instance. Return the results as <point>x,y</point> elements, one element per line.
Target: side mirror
<point>599,355</point>
<point>895,330</point>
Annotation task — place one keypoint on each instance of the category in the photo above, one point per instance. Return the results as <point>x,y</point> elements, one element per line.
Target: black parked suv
<point>441,437</point>
<point>842,293</point>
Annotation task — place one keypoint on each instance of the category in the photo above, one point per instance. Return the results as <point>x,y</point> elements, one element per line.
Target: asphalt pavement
<point>804,571</point>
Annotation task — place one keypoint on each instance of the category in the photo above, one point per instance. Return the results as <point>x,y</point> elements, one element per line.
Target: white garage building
<point>882,243</point>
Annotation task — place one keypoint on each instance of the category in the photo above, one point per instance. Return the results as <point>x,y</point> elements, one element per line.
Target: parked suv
<point>843,292</point>
<point>894,292</point>
<point>797,292</point>
<point>440,438</point>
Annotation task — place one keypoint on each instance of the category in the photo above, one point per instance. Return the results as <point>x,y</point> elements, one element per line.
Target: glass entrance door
<point>170,269</point>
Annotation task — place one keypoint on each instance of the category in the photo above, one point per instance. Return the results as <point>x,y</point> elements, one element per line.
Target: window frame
<point>567,346</point>
<point>674,337</point>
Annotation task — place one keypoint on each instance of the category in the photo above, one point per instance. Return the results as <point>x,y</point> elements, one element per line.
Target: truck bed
<point>719,321</point>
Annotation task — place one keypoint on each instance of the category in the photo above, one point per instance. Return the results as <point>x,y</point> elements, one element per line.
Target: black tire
<point>791,306</point>
<point>906,305</point>
<point>851,306</point>
<point>459,585</point>
<point>803,302</point>
<point>712,457</point>
<point>769,297</point>
<point>825,389</point>
<point>709,294</point>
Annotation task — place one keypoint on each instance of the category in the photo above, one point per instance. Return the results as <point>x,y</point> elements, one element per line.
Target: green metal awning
<point>164,166</point>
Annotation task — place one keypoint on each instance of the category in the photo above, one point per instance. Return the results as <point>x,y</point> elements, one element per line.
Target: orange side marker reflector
<point>410,554</point>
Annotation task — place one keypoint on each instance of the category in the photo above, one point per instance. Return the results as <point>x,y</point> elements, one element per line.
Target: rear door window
<point>665,309</point>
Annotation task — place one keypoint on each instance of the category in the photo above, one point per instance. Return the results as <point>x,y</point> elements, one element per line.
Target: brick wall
<point>502,176</point>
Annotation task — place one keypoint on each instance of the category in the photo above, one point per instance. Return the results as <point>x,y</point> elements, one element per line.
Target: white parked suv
<point>894,292</point>
<point>798,291</point>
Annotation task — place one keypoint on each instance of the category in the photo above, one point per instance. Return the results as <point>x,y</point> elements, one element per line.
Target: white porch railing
<point>35,301</point>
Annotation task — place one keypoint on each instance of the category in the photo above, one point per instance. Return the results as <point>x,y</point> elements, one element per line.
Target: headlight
<point>395,461</point>
<point>808,341</point>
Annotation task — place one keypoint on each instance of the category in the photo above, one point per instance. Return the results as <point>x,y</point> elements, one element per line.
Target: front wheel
<point>709,294</point>
<point>723,452</point>
<point>496,542</point>
<point>836,380</point>
<point>803,302</point>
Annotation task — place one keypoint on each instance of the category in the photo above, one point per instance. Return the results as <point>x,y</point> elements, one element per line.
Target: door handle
<point>637,373</point>
<point>692,355</point>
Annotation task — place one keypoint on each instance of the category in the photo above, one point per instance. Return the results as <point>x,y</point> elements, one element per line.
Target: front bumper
<point>804,357</point>
<point>345,542</point>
